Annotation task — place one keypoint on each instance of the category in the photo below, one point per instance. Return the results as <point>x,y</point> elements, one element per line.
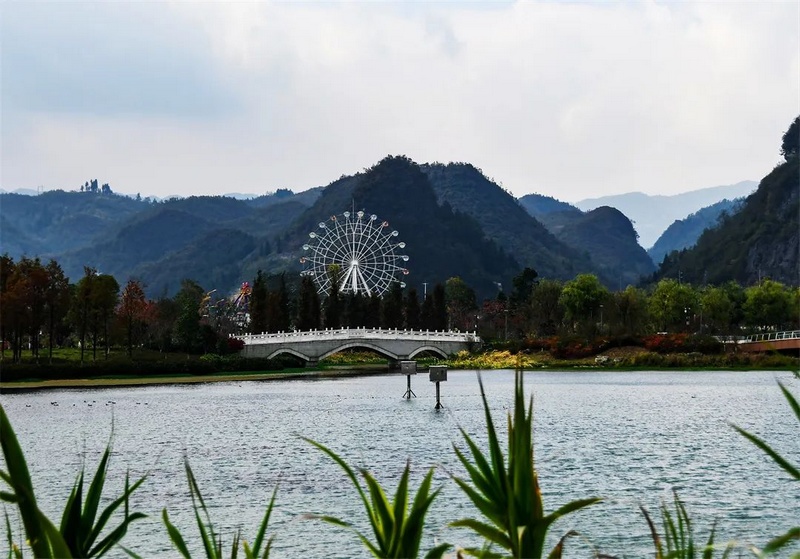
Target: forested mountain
<point>684,233</point>
<point>760,240</point>
<point>610,240</point>
<point>440,242</point>
<point>651,215</point>
<point>465,189</point>
<point>539,205</point>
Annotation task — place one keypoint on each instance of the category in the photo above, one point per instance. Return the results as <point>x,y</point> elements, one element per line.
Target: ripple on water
<point>628,437</point>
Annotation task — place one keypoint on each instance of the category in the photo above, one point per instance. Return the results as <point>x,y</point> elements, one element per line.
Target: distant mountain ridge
<point>651,215</point>
<point>683,233</point>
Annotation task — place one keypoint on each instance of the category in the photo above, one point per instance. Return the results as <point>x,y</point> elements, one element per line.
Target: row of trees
<point>42,309</point>
<point>584,306</point>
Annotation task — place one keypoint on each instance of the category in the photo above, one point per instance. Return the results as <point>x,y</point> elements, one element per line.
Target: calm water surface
<point>629,437</point>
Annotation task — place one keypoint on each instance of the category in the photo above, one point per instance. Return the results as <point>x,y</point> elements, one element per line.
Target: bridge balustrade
<point>351,333</point>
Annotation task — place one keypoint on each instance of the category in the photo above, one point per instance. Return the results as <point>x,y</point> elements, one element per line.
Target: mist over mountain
<point>651,215</point>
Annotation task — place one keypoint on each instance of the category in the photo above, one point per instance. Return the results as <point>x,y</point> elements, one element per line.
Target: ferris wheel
<point>364,248</point>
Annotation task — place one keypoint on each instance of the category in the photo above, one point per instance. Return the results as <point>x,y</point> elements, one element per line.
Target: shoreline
<point>339,371</point>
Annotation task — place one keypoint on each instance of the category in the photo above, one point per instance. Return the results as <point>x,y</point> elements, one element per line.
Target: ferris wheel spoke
<point>363,246</point>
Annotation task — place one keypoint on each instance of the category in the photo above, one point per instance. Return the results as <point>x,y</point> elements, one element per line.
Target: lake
<point>629,437</point>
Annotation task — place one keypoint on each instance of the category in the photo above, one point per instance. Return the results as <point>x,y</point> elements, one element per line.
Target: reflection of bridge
<point>774,341</point>
<point>395,344</point>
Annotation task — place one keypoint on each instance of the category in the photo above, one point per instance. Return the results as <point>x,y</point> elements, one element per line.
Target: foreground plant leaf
<point>784,540</point>
<point>508,495</point>
<point>212,542</point>
<point>80,526</point>
<point>397,529</point>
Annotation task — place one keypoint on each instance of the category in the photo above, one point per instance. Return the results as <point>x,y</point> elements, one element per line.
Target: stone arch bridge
<point>394,344</point>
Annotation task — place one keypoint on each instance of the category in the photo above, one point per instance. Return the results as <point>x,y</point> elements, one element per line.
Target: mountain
<point>651,215</point>
<point>608,237</point>
<point>539,205</point>
<point>56,221</point>
<point>503,220</point>
<point>760,240</point>
<point>684,233</point>
<point>440,241</point>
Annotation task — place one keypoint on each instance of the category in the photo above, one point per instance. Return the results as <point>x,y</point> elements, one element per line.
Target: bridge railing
<point>774,336</point>
<point>356,333</point>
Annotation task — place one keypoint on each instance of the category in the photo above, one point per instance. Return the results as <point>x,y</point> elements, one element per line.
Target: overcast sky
<point>568,99</point>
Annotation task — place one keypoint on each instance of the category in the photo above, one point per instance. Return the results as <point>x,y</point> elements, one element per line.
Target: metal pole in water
<point>438,402</point>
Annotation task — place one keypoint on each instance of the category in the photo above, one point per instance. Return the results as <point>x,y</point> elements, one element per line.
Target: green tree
<point>461,304</point>
<point>131,311</point>
<point>546,310</point>
<point>627,312</point>
<point>308,306</point>
<point>673,305</point>
<point>57,299</point>
<point>392,307</point>
<point>187,331</point>
<point>768,306</point>
<point>716,310</point>
<point>582,298</point>
<point>791,140</point>
<point>412,310</point>
<point>81,307</point>
<point>438,319</point>
<point>105,297</point>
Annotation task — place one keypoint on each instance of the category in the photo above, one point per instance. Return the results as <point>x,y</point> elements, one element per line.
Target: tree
<point>131,311</point>
<point>187,331</point>
<point>672,306</point>
<point>522,287</point>
<point>791,140</point>
<point>332,310</point>
<point>57,299</point>
<point>582,299</point>
<point>392,307</point>
<point>105,296</point>
<point>717,310</point>
<point>439,308</point>
<point>308,306</point>
<point>628,314</point>
<point>80,309</point>
<point>768,306</point>
<point>546,310</point>
<point>461,304</point>
<point>258,305</point>
<point>412,310</point>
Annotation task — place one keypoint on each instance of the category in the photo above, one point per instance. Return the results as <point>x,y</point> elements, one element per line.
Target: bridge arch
<point>360,344</point>
<point>290,351</point>
<point>429,348</point>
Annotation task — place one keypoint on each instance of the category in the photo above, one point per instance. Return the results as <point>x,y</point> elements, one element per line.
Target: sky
<point>572,100</point>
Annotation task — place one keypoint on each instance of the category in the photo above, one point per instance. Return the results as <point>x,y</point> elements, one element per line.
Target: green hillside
<point>684,233</point>
<point>760,240</point>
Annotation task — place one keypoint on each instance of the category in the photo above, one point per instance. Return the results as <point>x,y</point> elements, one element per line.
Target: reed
<point>212,541</point>
<point>678,539</point>
<point>81,527</point>
<point>397,528</point>
<point>508,494</point>
<point>779,543</point>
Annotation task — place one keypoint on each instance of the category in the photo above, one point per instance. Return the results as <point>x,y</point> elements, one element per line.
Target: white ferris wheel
<point>364,248</point>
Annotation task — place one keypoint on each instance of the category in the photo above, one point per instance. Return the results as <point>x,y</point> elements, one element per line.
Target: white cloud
<point>571,100</point>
